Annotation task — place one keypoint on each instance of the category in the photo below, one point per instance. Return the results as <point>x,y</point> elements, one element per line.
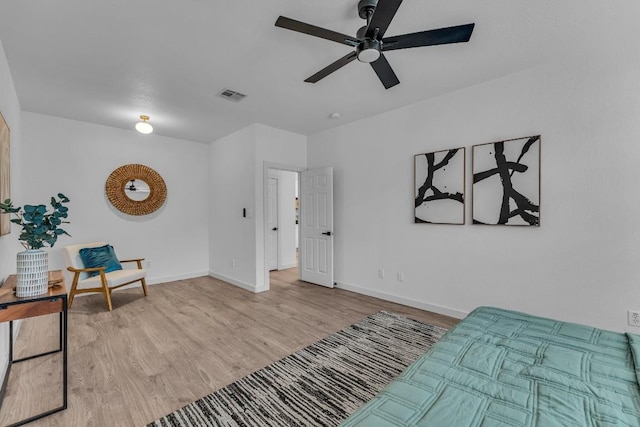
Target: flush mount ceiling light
<point>143,126</point>
<point>369,50</point>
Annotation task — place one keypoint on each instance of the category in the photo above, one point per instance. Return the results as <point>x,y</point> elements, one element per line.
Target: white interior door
<point>272,225</point>
<point>316,226</point>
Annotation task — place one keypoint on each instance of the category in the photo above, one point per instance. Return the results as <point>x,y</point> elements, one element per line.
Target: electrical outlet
<point>148,264</point>
<point>400,276</point>
<point>381,273</point>
<point>634,318</point>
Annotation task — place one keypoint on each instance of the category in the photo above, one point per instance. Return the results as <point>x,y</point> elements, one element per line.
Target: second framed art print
<point>506,182</point>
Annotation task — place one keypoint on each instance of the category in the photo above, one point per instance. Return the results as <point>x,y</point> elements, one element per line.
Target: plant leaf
<point>39,227</point>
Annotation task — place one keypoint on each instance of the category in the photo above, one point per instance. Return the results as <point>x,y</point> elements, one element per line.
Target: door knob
<point>274,229</point>
<point>327,233</point>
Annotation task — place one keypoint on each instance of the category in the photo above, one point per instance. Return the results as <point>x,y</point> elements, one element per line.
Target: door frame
<point>265,188</point>
<point>267,250</point>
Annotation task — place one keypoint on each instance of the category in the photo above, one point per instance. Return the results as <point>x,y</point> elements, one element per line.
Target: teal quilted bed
<point>504,368</point>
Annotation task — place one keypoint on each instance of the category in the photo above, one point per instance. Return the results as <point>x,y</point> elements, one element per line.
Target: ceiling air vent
<point>232,95</point>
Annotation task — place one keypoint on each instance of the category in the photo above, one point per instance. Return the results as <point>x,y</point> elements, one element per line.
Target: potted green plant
<point>40,227</point>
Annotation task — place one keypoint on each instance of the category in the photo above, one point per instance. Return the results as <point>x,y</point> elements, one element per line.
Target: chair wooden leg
<point>106,291</point>
<point>72,292</point>
<point>144,286</point>
<point>107,297</point>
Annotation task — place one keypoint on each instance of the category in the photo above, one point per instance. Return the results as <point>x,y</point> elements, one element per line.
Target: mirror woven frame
<point>117,181</point>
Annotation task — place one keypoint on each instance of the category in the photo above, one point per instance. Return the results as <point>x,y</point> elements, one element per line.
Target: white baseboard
<point>447,311</point>
<point>246,286</point>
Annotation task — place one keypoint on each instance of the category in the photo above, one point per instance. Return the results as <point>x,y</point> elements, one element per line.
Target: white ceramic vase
<point>33,273</point>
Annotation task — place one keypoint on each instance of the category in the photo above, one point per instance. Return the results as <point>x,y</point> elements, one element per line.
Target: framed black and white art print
<point>5,175</point>
<point>506,182</point>
<point>439,187</point>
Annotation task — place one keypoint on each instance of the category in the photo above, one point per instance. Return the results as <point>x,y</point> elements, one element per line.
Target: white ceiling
<point>107,62</point>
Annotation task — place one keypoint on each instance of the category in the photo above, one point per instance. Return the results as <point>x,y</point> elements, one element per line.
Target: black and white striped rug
<point>320,385</point>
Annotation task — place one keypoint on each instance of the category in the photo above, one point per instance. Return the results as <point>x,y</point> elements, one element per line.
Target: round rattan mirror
<point>124,184</point>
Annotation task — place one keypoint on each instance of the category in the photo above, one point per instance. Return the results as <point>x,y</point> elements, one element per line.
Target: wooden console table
<point>16,308</point>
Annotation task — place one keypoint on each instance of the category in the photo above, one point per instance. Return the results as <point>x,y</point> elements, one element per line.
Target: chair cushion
<point>114,278</point>
<point>102,256</point>
<point>72,257</point>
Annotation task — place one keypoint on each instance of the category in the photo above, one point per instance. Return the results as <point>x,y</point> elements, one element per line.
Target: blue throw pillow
<point>102,256</point>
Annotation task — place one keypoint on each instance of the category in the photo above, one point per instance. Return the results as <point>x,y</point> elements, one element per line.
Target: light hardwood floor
<point>153,355</point>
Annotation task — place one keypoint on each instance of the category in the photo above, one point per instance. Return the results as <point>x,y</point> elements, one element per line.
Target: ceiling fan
<point>132,187</point>
<point>370,43</point>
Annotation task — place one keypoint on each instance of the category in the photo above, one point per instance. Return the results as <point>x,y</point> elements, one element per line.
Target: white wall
<point>232,253</point>
<point>239,166</point>
<point>75,158</point>
<point>580,265</point>
<point>286,217</point>
<point>9,246</point>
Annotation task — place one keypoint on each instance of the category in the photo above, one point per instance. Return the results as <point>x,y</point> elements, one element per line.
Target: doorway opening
<point>282,222</point>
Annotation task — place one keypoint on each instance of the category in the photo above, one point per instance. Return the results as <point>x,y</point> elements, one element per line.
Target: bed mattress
<point>505,368</point>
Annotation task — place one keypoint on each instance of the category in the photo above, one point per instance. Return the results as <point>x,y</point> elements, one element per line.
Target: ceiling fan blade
<point>382,15</point>
<point>331,68</point>
<point>384,71</point>
<point>458,34</point>
<point>312,30</point>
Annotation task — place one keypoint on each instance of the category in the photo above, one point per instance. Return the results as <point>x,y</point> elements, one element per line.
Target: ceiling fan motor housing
<point>369,49</point>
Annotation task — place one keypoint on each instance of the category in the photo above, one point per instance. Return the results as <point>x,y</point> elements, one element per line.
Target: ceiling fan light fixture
<point>368,51</point>
<point>143,126</point>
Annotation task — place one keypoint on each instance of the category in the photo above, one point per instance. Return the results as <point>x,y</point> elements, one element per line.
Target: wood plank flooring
<point>153,355</point>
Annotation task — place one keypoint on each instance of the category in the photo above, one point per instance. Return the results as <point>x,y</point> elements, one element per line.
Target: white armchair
<point>103,282</point>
